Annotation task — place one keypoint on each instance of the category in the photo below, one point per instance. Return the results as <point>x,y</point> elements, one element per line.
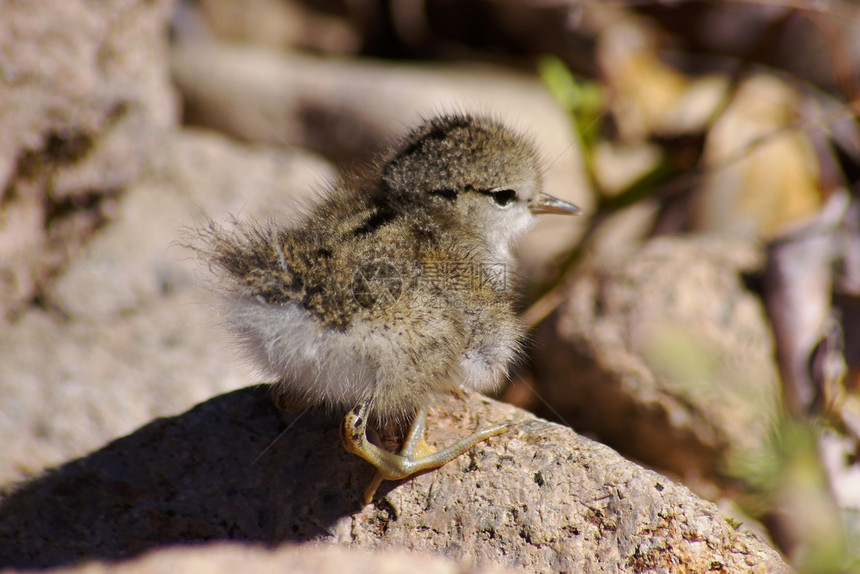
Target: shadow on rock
<point>203,475</point>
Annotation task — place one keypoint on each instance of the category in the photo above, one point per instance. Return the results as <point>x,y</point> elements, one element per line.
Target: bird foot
<point>415,456</point>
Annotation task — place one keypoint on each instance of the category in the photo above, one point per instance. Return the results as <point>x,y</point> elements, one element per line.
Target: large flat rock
<point>235,468</point>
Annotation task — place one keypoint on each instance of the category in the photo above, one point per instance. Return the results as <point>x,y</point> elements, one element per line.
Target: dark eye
<point>504,197</point>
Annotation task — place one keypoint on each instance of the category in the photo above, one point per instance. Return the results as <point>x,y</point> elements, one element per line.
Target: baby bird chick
<point>393,289</point>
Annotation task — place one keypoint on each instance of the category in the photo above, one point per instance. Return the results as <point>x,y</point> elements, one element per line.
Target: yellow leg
<point>415,455</point>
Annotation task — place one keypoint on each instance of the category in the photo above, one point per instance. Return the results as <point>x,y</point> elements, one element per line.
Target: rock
<point>85,93</point>
<point>236,468</point>
<point>273,23</point>
<point>227,558</point>
<point>664,354</point>
<point>124,335</point>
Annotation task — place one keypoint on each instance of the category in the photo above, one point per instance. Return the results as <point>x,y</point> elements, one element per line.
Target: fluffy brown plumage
<point>393,289</point>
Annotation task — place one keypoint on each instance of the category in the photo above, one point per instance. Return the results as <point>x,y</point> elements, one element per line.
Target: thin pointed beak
<point>546,203</point>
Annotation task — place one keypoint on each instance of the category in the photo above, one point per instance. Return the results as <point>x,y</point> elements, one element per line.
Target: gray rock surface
<point>229,558</point>
<point>83,95</point>
<point>125,335</point>
<point>664,354</point>
<point>236,468</point>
